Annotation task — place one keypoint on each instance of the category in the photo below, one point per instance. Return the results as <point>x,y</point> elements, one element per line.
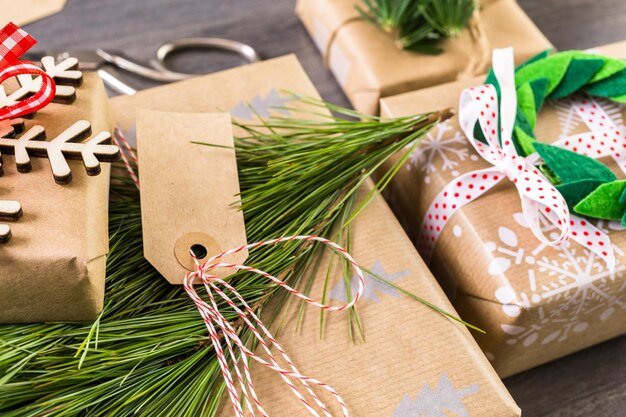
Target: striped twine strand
<point>213,318</point>
<point>126,151</point>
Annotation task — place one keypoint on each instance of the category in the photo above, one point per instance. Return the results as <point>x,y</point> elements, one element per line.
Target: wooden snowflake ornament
<point>66,146</point>
<point>11,127</point>
<point>65,74</point>
<point>36,87</point>
<point>9,211</point>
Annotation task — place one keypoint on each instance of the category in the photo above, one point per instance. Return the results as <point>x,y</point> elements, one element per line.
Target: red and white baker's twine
<point>126,151</point>
<point>540,200</point>
<point>215,321</point>
<point>218,325</point>
<point>14,42</point>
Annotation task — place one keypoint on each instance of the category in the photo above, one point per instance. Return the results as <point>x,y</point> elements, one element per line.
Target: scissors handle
<point>135,68</point>
<point>245,51</point>
<point>161,73</point>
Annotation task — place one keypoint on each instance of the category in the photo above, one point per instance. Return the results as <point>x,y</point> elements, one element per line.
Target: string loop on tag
<point>214,320</point>
<point>219,328</point>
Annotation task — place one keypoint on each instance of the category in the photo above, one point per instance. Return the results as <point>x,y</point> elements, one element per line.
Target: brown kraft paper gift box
<point>53,268</point>
<point>414,360</point>
<point>369,66</point>
<point>536,303</point>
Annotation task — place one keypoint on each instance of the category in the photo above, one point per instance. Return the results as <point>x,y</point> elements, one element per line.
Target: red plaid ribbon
<point>13,43</point>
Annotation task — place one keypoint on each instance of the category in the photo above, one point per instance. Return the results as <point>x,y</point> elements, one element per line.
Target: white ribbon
<point>541,202</point>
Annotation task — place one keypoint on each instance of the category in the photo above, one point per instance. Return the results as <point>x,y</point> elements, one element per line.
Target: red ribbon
<point>13,43</point>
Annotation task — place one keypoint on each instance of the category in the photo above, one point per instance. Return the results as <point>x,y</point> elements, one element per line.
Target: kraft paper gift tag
<point>411,357</point>
<point>536,303</point>
<point>22,12</point>
<point>187,191</point>
<point>368,65</point>
<point>54,266</point>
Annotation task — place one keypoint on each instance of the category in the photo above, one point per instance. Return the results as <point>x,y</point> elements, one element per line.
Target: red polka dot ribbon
<point>541,202</point>
<point>605,137</point>
<point>13,43</point>
<point>229,348</point>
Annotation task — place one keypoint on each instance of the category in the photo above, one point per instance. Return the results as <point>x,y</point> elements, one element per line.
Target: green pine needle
<point>148,353</point>
<point>419,25</point>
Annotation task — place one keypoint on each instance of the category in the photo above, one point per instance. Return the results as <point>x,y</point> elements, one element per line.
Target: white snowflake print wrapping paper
<point>413,360</point>
<point>535,302</point>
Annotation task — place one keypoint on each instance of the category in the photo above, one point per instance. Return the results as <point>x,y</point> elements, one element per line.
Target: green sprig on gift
<point>148,353</point>
<point>419,25</point>
<point>589,187</point>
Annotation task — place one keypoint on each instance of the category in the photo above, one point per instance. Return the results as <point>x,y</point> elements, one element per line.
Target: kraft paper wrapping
<point>413,359</point>
<point>369,66</point>
<point>536,303</point>
<point>22,12</point>
<point>414,362</point>
<point>54,266</point>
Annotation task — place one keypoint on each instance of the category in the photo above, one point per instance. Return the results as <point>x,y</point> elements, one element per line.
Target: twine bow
<point>236,350</point>
<point>14,42</point>
<point>541,202</point>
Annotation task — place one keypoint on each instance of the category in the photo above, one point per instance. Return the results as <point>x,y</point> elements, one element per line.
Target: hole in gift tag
<point>198,250</point>
<point>202,246</point>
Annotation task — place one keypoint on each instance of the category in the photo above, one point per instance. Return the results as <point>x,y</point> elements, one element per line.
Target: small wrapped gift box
<point>369,66</point>
<point>413,360</point>
<point>54,266</point>
<point>535,302</point>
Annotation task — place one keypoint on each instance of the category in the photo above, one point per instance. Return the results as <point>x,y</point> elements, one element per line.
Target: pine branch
<point>147,352</point>
<point>419,25</point>
<point>60,149</point>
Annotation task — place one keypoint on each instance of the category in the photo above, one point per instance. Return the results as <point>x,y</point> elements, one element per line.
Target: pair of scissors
<point>96,60</point>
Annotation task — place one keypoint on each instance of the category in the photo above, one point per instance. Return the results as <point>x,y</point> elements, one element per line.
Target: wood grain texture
<point>589,383</point>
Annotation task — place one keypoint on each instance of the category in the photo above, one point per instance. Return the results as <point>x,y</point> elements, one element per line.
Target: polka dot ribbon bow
<point>541,202</point>
<point>230,348</point>
<point>14,42</point>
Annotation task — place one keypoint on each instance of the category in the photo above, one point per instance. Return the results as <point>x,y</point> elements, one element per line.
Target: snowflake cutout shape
<point>373,286</point>
<point>439,150</point>
<point>260,106</point>
<point>435,402</point>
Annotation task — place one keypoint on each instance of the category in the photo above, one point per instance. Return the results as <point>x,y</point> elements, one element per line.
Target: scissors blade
<point>88,60</point>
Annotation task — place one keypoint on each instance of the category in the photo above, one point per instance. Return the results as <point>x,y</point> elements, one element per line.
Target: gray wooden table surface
<point>589,383</point>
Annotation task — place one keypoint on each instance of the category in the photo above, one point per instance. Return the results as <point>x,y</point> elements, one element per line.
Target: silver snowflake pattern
<point>260,106</point>
<point>440,151</point>
<point>568,290</point>
<point>435,402</point>
<point>373,286</point>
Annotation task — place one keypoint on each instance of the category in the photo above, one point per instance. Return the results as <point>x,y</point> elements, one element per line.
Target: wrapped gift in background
<point>369,66</point>
<point>420,361</point>
<point>53,268</point>
<point>536,303</point>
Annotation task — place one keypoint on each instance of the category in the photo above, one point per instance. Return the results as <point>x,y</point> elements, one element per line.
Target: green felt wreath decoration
<point>589,187</point>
